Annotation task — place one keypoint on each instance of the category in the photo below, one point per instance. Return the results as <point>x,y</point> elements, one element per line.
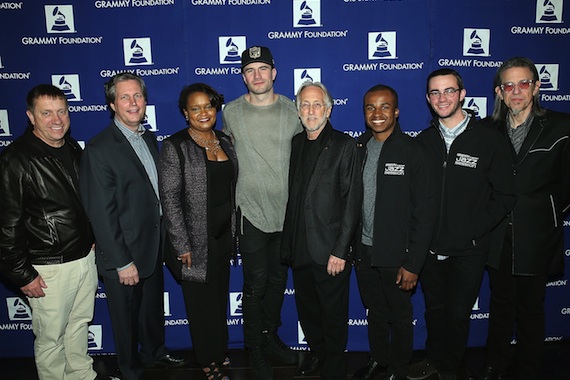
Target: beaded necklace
<point>212,145</point>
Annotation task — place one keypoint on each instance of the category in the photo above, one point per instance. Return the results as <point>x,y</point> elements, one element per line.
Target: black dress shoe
<point>309,366</point>
<point>370,371</point>
<point>103,377</point>
<point>168,361</point>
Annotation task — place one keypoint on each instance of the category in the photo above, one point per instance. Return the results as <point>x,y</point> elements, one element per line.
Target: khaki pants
<point>60,320</point>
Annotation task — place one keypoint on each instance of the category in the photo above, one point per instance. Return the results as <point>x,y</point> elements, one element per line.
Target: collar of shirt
<point>455,131</point>
<point>129,134</point>
<point>525,124</point>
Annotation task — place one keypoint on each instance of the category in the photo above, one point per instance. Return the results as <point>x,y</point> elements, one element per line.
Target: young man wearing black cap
<point>262,124</point>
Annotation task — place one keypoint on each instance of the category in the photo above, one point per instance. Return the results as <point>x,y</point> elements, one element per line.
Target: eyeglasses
<point>448,93</point>
<point>522,85</point>
<point>315,106</point>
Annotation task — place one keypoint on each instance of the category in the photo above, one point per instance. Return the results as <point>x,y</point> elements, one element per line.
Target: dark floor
<point>556,366</point>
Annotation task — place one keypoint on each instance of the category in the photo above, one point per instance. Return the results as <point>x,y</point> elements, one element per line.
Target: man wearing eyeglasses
<point>474,186</point>
<point>322,213</point>
<point>532,237</point>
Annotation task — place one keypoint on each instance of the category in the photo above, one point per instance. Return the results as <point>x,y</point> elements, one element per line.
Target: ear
<point>397,113</point>
<point>328,113</point>
<point>31,117</point>
<point>273,73</point>
<point>462,94</point>
<point>499,92</point>
<point>536,88</point>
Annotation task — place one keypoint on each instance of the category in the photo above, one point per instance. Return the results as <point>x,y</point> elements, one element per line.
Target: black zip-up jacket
<point>42,219</point>
<point>474,184</point>
<point>405,205</point>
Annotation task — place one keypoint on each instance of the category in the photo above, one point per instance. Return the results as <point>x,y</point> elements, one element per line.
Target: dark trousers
<point>137,318</point>
<point>207,303</point>
<point>264,281</point>
<point>390,329</point>
<point>322,305</point>
<point>515,301</point>
<point>450,288</point>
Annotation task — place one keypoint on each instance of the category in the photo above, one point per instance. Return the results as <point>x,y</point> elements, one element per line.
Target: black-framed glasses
<point>448,93</point>
<point>522,85</point>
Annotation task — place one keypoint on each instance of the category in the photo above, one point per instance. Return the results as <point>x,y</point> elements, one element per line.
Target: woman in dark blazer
<point>197,172</point>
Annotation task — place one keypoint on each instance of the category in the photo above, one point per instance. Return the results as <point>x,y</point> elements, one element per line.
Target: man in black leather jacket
<point>45,237</point>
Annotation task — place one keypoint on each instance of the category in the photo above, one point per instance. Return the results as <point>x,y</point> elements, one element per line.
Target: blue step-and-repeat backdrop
<point>349,45</point>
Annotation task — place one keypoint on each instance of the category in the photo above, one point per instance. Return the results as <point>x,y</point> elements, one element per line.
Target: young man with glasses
<point>532,236</point>
<point>474,187</point>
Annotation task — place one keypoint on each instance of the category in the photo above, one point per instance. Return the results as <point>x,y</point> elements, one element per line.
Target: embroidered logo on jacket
<point>466,160</point>
<point>394,169</point>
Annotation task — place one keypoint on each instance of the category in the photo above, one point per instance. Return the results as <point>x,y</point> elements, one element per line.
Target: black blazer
<point>333,197</point>
<point>542,186</point>
<point>121,203</point>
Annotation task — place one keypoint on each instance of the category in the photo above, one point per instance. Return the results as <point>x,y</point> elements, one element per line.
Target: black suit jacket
<point>121,203</point>
<point>332,200</point>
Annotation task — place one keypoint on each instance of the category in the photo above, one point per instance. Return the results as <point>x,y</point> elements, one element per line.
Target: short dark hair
<point>40,90</point>
<point>500,109</point>
<point>111,91</point>
<point>381,87</point>
<point>445,71</point>
<point>216,99</point>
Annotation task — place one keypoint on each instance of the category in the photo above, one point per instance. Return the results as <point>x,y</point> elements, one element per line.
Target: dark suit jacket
<point>121,203</point>
<point>542,185</point>
<point>332,201</point>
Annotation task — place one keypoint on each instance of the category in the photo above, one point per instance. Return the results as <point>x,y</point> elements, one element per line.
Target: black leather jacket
<point>42,220</point>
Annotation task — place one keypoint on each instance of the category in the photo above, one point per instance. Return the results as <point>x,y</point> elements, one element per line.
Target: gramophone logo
<point>476,42</point>
<point>301,334</point>
<point>59,19</point>
<point>382,45</point>
<point>149,121</point>
<point>304,75</point>
<point>306,13</point>
<point>236,304</point>
<point>18,310</point>
<point>4,125</point>
<point>95,337</point>
<point>477,105</point>
<point>230,49</point>
<point>549,11</point>
<point>548,75</point>
<point>137,51</point>
<point>69,84</point>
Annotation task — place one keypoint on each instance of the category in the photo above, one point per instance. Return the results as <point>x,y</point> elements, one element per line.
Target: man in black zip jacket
<point>532,238</point>
<point>473,179</point>
<point>398,213</point>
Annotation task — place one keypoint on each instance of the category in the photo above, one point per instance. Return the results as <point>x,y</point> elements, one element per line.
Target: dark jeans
<point>515,301</point>
<point>390,329</point>
<point>450,287</point>
<point>264,281</point>
<point>322,304</point>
